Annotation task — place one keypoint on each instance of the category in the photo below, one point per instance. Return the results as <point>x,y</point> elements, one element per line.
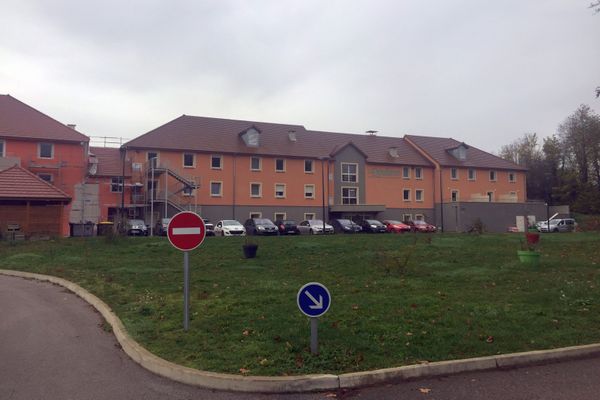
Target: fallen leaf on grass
<point>355,306</point>
<point>490,339</point>
<point>244,370</point>
<point>299,361</point>
<point>246,332</point>
<point>330,395</point>
<point>424,390</point>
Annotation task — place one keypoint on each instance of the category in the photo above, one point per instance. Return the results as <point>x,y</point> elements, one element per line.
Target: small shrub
<point>477,227</point>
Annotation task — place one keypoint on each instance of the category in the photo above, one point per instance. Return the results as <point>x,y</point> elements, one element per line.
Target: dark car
<point>373,226</point>
<point>162,226</point>
<point>210,228</point>
<point>420,226</point>
<point>260,226</point>
<point>287,227</point>
<point>345,226</point>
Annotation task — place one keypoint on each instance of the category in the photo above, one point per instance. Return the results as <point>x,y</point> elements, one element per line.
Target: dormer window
<point>459,152</point>
<point>251,137</point>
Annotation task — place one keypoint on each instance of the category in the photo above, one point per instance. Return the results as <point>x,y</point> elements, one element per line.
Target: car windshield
<point>289,222</point>
<point>262,221</point>
<point>229,222</point>
<point>136,222</point>
<point>315,222</point>
<point>420,223</point>
<point>374,222</point>
<point>345,222</point>
<point>394,222</point>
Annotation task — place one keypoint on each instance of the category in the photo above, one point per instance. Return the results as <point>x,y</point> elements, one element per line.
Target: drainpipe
<point>441,199</point>
<point>124,152</point>
<point>234,183</point>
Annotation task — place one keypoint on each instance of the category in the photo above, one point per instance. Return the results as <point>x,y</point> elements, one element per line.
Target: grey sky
<point>482,72</point>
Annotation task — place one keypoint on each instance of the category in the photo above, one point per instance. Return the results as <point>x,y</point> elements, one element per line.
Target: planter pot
<point>529,257</point>
<point>250,250</point>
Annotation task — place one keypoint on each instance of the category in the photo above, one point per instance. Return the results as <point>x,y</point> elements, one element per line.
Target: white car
<point>557,225</point>
<point>314,227</point>
<point>229,227</point>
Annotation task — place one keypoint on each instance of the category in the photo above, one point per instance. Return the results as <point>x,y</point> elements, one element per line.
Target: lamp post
<point>323,188</point>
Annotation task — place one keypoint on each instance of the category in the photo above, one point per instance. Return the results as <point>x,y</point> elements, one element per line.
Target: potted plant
<point>249,247</point>
<point>528,253</point>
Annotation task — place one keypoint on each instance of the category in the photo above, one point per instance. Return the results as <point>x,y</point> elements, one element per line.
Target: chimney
<point>372,132</point>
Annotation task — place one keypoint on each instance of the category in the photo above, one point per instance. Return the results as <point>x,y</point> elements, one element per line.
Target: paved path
<point>52,347</point>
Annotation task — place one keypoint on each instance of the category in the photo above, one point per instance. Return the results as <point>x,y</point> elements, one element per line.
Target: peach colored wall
<point>385,185</point>
<point>106,198</point>
<point>482,184</point>
<point>70,158</point>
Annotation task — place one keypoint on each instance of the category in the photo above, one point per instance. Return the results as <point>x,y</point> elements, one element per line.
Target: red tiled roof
<point>19,120</point>
<point>18,183</point>
<point>218,135</point>
<point>109,162</point>
<point>437,148</point>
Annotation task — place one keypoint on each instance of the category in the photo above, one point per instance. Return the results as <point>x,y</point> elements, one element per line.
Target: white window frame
<point>418,173</point>
<point>405,172</point>
<point>493,171</point>
<point>454,174</point>
<point>188,194</point>
<point>348,174</point>
<point>51,150</point>
<point>51,176</point>
<point>282,160</point>
<point>2,148</point>
<point>118,183</point>
<point>474,171</point>
<point>422,191</point>
<point>259,164</point>
<point>154,158</point>
<point>254,214</point>
<point>275,214</point>
<point>284,190</point>
<point>220,194</point>
<point>513,175</point>
<point>312,167</point>
<point>457,199</point>
<point>193,160</point>
<point>309,216</point>
<point>490,198</point>
<point>314,188</point>
<point>404,190</point>
<point>215,156</point>
<point>404,217</point>
<point>348,197</point>
<point>259,190</point>
<point>419,217</point>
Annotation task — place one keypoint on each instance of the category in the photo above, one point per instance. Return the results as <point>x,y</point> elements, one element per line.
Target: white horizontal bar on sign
<point>186,231</point>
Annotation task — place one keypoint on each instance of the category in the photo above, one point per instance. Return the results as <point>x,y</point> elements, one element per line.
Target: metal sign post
<point>186,290</point>
<point>313,300</point>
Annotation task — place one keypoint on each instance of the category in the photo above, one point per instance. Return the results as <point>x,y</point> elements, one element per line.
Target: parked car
<point>420,226</point>
<point>210,228</point>
<point>557,225</point>
<point>314,227</point>
<point>287,227</point>
<point>137,227</point>
<point>373,226</point>
<point>162,226</point>
<point>345,226</point>
<point>396,226</point>
<point>260,226</point>
<point>229,227</point>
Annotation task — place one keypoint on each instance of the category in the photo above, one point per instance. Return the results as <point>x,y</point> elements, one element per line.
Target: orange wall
<point>69,157</point>
<point>482,184</point>
<point>385,185</point>
<point>106,198</point>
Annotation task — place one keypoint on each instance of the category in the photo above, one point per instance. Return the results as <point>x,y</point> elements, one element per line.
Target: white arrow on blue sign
<point>313,299</point>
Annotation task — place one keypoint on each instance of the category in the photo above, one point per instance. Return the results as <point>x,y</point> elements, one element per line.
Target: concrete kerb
<point>303,383</point>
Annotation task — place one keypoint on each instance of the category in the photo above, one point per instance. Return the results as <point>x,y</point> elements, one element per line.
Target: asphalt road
<point>52,347</point>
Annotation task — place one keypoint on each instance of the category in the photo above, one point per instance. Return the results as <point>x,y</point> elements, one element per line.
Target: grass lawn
<point>396,299</point>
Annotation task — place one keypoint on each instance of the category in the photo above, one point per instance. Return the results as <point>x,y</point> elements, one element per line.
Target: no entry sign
<point>186,231</point>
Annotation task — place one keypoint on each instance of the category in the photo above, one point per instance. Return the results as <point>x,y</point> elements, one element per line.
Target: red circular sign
<point>186,231</point>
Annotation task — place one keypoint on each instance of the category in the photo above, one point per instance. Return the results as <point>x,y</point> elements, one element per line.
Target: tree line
<point>563,168</point>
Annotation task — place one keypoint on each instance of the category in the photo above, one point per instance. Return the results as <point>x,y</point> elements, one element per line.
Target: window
<point>188,191</point>
<point>255,214</point>
<point>418,173</point>
<point>419,195</point>
<point>152,158</point>
<point>309,191</point>
<point>280,190</point>
<point>308,166</point>
<point>255,189</point>
<point>472,174</point>
<point>46,177</point>
<point>188,160</point>
<point>349,195</point>
<point>255,164</point>
<point>454,196</point>
<point>116,184</point>
<point>490,196</point>
<point>309,216</point>
<point>216,189</point>
<point>406,172</point>
<point>513,194</point>
<point>406,194</point>
<point>493,176</point>
<point>419,217</point>
<point>279,216</point>
<point>406,217</point>
<point>454,173</point>
<point>45,150</point>
<point>216,162</point>
<point>349,172</point>
<point>2,148</point>
<point>512,177</point>
<point>279,165</point>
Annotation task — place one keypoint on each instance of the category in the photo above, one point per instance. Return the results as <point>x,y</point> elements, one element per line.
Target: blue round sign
<point>313,299</point>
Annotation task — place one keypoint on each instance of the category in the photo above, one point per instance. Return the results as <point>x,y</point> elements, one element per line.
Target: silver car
<point>314,227</point>
<point>137,227</point>
<point>557,225</point>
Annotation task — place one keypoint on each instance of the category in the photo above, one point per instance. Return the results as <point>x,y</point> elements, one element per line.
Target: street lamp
<point>323,187</point>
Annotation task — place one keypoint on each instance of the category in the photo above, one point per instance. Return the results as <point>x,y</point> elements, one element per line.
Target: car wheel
<point>311,232</point>
<point>555,230</point>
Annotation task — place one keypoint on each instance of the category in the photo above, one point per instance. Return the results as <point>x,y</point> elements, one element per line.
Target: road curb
<point>303,383</point>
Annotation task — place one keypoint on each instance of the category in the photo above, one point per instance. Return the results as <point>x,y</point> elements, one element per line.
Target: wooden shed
<point>29,204</point>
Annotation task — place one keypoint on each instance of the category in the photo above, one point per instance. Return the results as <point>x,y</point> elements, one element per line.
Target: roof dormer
<point>251,136</point>
<point>459,152</point>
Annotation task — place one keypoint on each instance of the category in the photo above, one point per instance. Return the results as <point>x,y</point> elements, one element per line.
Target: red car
<point>421,226</point>
<point>396,226</point>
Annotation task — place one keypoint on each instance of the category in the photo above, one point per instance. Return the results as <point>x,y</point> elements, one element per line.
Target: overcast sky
<point>480,72</point>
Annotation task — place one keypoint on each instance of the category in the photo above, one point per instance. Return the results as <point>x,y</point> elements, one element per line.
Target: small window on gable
<point>512,177</point>
<point>255,164</point>
<point>472,174</point>
<point>406,172</point>
<point>188,160</point>
<point>46,150</point>
<point>349,172</point>
<point>216,162</point>
<point>493,176</point>
<point>308,166</point>
<point>454,173</point>
<point>152,158</point>
<point>418,173</point>
<point>279,165</point>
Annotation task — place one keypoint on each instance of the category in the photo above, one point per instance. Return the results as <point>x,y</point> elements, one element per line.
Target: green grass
<point>396,299</point>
